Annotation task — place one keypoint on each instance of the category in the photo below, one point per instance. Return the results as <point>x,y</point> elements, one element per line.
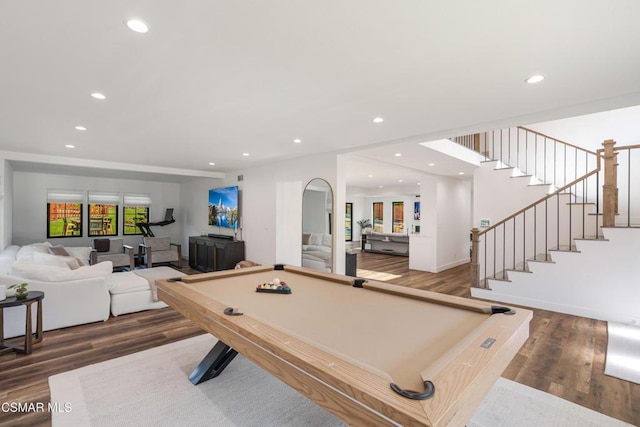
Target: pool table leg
<point>213,364</point>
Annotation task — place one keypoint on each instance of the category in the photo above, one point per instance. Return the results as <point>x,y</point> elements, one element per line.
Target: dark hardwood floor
<point>564,355</point>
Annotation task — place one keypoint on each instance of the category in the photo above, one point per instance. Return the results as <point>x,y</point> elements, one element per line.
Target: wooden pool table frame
<point>348,390</point>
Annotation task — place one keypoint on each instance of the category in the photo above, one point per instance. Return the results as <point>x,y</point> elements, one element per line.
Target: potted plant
<point>364,224</point>
<point>21,290</point>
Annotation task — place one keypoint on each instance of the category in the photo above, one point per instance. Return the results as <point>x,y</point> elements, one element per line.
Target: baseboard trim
<point>488,294</point>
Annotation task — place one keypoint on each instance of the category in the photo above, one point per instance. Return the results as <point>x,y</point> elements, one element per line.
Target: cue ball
<point>276,281</point>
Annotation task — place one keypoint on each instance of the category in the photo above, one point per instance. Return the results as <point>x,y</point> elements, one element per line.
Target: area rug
<point>151,388</point>
<point>623,352</point>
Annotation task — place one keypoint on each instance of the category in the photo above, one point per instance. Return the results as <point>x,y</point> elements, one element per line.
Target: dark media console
<point>215,252</point>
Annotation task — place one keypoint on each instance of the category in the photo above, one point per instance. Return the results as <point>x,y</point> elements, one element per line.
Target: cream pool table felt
<point>343,341</point>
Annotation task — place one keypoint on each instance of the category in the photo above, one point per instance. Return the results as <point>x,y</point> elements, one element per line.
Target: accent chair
<point>160,250</point>
<point>113,250</point>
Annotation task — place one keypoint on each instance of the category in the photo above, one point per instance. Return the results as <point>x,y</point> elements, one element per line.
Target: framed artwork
<point>103,220</point>
<point>223,207</point>
<point>64,220</point>
<point>348,223</point>
<point>416,211</point>
<point>133,215</point>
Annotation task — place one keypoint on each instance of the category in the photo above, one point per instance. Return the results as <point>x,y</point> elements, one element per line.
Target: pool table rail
<point>344,387</point>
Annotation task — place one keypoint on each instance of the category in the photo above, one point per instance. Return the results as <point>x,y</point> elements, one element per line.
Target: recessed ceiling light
<point>98,95</point>
<point>70,146</point>
<point>460,173</point>
<point>535,79</point>
<point>137,25</point>
<point>212,164</point>
<point>297,141</point>
<point>400,180</point>
<point>398,154</point>
<point>369,176</point>
<point>381,186</point>
<point>245,154</point>
<point>81,128</point>
<point>378,120</point>
<point>432,164</point>
<point>419,183</point>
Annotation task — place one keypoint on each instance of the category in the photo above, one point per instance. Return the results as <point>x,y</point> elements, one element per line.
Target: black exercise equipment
<point>145,227</point>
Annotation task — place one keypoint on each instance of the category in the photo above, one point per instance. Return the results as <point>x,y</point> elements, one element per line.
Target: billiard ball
<point>276,281</point>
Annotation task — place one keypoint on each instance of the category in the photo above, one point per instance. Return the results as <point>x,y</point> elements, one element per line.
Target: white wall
<point>454,219</point>
<point>445,222</point>
<point>600,281</point>
<point>496,194</point>
<point>6,203</point>
<point>30,205</point>
<point>589,131</point>
<point>265,192</point>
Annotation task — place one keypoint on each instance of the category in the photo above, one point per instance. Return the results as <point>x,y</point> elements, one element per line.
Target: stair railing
<point>549,160</point>
<point>549,223</point>
<point>576,210</point>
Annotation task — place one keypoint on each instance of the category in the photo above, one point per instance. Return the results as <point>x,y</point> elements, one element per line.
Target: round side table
<point>29,340</point>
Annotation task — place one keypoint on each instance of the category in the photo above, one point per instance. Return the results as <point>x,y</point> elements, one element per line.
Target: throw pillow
<point>305,238</point>
<point>58,250</point>
<point>101,245</point>
<point>73,263</point>
<point>101,269</point>
<point>49,259</point>
<point>28,269</point>
<point>83,253</point>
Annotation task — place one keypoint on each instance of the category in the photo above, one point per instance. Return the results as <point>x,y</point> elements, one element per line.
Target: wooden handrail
<point>547,197</point>
<point>556,139</point>
<point>624,147</point>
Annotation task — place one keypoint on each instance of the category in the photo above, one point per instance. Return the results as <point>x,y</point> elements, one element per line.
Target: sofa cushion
<point>126,282</point>
<point>10,252</point>
<point>116,246</point>
<point>58,250</point>
<point>49,259</point>
<point>158,243</point>
<point>83,253</point>
<point>28,250</point>
<point>6,265</point>
<point>28,269</point>
<point>305,238</point>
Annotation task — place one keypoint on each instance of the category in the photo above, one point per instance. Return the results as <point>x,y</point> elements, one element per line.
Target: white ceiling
<point>213,79</point>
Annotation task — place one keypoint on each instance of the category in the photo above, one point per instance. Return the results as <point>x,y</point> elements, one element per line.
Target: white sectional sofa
<point>75,296</point>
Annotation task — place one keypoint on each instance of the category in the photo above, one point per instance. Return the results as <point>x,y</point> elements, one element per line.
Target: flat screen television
<point>223,207</point>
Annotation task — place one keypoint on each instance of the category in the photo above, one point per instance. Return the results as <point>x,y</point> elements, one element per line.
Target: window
<point>135,210</point>
<point>103,213</point>
<point>64,213</point>
<point>348,223</point>
<point>132,215</point>
<point>378,217</point>
<point>398,217</point>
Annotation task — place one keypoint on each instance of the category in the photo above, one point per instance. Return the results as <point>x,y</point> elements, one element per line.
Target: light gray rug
<point>151,388</point>
<point>623,352</point>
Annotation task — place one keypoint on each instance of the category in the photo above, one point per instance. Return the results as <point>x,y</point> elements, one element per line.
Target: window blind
<point>65,196</point>
<point>131,199</point>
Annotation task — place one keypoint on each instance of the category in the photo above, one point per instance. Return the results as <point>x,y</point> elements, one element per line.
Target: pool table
<point>371,353</point>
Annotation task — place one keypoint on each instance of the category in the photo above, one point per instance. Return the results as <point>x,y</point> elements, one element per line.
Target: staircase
<point>517,259</point>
